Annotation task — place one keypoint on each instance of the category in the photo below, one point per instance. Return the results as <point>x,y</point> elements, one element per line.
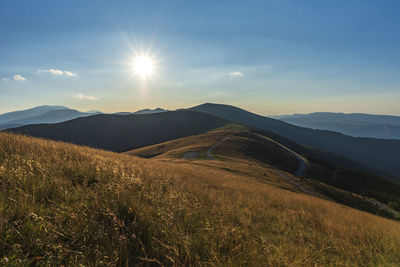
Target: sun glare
<point>143,66</point>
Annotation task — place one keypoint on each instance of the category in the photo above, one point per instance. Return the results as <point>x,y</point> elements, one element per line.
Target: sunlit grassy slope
<point>239,144</point>
<point>65,204</point>
<point>248,151</point>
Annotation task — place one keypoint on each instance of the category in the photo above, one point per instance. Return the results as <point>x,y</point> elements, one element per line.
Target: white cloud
<point>70,74</point>
<point>236,74</point>
<point>85,97</point>
<point>18,77</point>
<point>4,79</point>
<point>59,72</point>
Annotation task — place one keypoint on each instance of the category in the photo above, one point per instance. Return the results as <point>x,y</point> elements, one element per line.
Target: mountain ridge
<point>123,132</point>
<point>379,154</point>
<point>353,124</point>
<point>20,114</point>
<point>41,114</point>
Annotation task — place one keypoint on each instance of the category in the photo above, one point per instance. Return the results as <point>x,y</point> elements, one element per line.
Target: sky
<point>269,57</point>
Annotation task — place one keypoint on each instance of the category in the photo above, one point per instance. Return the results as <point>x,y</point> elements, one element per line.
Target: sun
<point>143,66</point>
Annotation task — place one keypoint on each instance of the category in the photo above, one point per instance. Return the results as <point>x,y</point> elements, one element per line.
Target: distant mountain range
<point>54,114</point>
<point>23,114</point>
<point>355,124</point>
<point>142,111</point>
<point>41,114</point>
<point>150,111</point>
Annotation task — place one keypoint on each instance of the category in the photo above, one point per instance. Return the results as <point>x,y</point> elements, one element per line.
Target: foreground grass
<point>65,204</point>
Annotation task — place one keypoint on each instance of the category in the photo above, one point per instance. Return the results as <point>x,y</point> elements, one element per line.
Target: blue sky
<point>270,57</point>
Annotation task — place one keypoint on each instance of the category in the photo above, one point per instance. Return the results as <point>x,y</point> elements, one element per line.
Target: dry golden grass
<point>65,204</point>
<point>240,144</point>
<point>177,148</point>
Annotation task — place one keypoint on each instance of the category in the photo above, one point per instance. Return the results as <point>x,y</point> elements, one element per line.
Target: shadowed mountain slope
<point>8,126</point>
<point>124,132</point>
<point>379,154</point>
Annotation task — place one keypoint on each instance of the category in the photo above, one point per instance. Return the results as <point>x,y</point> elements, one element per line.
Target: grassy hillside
<point>125,132</point>
<point>240,144</point>
<point>243,146</point>
<point>378,154</point>
<point>178,147</point>
<point>65,204</point>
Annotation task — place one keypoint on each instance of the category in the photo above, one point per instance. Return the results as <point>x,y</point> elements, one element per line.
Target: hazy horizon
<point>268,57</point>
<point>173,109</point>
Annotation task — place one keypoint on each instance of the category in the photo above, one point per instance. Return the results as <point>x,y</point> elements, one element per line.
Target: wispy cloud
<point>18,77</point>
<point>59,72</point>
<point>70,74</point>
<point>236,74</point>
<point>85,97</point>
<point>4,79</point>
